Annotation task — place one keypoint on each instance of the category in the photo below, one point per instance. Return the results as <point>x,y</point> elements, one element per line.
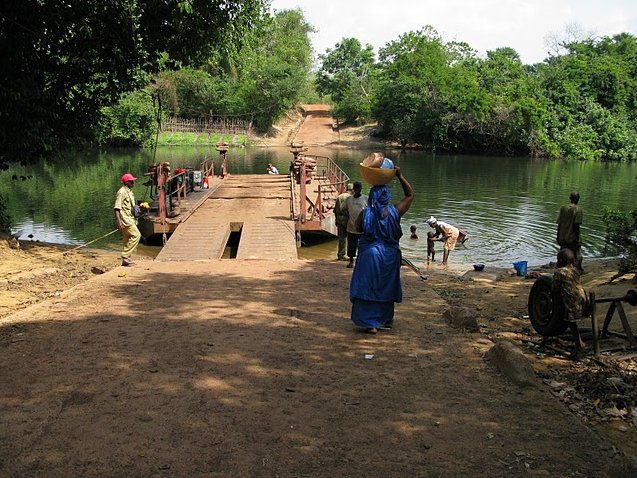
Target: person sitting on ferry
<point>272,169</point>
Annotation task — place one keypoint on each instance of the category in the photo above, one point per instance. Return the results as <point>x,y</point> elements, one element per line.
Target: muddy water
<point>508,206</point>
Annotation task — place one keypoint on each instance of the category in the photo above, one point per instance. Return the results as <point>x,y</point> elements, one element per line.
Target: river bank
<point>251,363</point>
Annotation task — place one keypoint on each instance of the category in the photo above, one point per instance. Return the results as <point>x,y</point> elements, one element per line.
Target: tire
<point>546,308</point>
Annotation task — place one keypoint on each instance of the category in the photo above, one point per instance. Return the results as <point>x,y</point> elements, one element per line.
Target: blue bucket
<point>520,267</point>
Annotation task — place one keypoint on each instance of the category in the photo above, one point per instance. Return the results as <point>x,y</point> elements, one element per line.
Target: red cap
<point>128,177</point>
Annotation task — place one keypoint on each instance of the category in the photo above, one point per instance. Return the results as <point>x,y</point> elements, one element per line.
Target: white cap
<point>432,220</point>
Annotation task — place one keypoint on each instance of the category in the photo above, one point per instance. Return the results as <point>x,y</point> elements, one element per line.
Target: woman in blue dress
<point>375,282</point>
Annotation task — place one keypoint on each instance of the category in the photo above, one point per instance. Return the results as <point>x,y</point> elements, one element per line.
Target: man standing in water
<point>568,228</point>
<point>126,220</point>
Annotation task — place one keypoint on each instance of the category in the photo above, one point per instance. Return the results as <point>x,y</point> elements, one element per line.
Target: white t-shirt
<point>354,206</point>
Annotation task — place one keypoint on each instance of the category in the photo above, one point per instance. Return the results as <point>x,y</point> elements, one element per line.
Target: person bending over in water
<point>446,233</point>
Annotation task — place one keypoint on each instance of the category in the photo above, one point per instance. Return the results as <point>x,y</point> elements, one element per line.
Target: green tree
<point>591,92</point>
<point>64,61</point>
<point>346,75</point>
<point>273,69</point>
<point>194,90</point>
<point>414,87</point>
<point>129,122</point>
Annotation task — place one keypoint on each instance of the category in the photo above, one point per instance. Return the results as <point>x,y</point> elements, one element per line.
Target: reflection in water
<point>28,230</point>
<point>507,205</point>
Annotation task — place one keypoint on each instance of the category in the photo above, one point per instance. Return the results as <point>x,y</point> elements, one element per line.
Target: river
<point>508,206</point>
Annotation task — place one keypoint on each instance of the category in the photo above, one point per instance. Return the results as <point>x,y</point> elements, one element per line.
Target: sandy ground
<point>253,368</point>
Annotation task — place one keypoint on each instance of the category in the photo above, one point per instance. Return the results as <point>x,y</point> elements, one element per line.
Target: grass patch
<point>167,138</point>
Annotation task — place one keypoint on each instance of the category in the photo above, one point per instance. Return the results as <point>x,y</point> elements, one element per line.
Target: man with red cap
<point>126,220</point>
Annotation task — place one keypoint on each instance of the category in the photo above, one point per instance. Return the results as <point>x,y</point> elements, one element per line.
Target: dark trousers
<point>577,250</point>
<point>342,239</point>
<point>352,244</point>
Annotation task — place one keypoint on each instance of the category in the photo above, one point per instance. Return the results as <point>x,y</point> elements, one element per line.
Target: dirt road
<point>252,368</point>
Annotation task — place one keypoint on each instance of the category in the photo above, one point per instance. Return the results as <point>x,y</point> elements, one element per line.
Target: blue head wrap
<point>381,219</point>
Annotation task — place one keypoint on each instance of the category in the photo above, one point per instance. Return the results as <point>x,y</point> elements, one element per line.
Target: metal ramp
<point>267,239</point>
<point>255,206</point>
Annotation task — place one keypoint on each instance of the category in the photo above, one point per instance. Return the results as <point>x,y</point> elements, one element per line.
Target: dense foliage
<point>129,122</point>
<point>621,228</point>
<point>64,61</point>
<point>87,70</point>
<point>256,83</point>
<point>346,75</point>
<point>259,82</point>
<point>441,95</point>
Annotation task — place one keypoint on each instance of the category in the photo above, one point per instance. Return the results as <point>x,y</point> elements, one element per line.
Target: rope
<point>91,242</point>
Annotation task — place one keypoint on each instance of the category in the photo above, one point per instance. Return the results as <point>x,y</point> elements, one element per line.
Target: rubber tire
<point>546,308</point>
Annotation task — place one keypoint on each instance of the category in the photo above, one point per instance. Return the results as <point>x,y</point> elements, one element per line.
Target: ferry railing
<point>296,217</point>
<point>307,169</point>
<point>207,168</point>
<point>293,210</point>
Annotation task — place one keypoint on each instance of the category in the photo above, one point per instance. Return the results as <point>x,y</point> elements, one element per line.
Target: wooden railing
<point>206,125</point>
<point>309,168</point>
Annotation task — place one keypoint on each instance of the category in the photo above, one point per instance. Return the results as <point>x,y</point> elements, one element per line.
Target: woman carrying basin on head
<point>375,285</point>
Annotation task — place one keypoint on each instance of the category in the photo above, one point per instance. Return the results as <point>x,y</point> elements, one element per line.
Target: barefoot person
<point>431,247</point>
<point>126,221</point>
<point>375,282</point>
<point>445,233</point>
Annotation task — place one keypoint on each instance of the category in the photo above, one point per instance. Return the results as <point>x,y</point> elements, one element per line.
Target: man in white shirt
<point>354,206</point>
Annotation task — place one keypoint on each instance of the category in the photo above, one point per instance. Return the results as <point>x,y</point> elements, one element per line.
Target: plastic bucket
<point>520,267</point>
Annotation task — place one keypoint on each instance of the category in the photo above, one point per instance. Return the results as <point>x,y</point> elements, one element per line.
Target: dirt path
<point>252,368</point>
<point>313,125</point>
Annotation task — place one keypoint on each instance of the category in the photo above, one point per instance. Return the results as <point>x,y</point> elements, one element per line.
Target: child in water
<point>431,249</point>
<point>413,232</point>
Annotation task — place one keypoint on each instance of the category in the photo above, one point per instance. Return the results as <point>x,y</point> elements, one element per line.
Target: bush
<point>5,220</point>
<point>621,228</point>
<point>130,122</point>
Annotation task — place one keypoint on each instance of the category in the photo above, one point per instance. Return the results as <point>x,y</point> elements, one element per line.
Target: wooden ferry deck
<point>255,206</point>
<point>247,216</point>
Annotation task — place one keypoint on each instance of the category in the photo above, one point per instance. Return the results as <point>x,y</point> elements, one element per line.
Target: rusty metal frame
<point>325,168</point>
<point>616,304</point>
